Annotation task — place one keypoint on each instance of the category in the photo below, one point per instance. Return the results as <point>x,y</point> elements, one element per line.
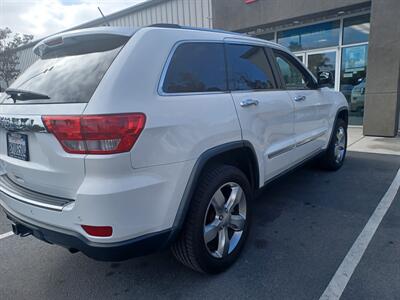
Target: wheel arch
<point>341,113</point>
<point>240,154</point>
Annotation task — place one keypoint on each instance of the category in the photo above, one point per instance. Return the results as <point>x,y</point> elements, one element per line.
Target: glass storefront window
<point>353,80</point>
<point>270,36</point>
<point>300,57</point>
<point>311,37</point>
<point>319,47</point>
<point>356,29</point>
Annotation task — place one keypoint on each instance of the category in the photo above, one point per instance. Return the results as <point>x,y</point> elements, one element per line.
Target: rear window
<point>70,74</point>
<point>196,67</point>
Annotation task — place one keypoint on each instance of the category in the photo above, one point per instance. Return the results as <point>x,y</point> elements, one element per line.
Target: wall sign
<point>249,1</point>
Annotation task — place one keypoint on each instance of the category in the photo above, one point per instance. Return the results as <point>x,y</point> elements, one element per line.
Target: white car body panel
<point>311,122</point>
<point>268,126</point>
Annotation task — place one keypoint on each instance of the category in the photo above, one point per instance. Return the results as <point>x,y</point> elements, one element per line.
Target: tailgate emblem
<point>27,124</point>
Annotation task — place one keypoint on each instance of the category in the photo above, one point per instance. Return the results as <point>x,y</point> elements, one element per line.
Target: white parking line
<point>342,276</point>
<point>7,234</point>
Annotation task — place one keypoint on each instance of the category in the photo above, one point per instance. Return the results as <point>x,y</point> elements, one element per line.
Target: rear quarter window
<point>196,67</point>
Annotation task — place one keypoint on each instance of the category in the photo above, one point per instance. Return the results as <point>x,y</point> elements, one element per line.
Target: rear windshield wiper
<point>22,95</point>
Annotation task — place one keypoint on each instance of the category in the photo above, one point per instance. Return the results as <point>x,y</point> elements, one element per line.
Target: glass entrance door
<point>318,61</point>
<point>326,61</point>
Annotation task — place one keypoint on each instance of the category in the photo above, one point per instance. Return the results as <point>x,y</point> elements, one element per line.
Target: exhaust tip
<point>21,230</point>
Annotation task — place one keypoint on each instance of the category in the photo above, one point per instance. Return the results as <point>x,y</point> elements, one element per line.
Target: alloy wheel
<point>225,220</point>
<point>340,144</point>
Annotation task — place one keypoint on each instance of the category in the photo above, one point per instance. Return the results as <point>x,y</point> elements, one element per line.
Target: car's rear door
<point>311,108</point>
<point>265,111</point>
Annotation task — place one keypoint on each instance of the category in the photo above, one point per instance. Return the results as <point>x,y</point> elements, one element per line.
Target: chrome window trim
<point>256,91</point>
<point>22,123</point>
<point>225,41</point>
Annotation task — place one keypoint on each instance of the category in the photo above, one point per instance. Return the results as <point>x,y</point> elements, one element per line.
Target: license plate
<point>17,146</point>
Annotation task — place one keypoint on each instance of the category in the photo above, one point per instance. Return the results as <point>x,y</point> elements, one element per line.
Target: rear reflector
<point>101,231</point>
<point>96,134</point>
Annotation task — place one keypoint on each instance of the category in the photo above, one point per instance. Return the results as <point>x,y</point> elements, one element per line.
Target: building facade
<point>196,13</point>
<point>357,41</point>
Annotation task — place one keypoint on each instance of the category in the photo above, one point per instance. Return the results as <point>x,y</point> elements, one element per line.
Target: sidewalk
<point>359,143</point>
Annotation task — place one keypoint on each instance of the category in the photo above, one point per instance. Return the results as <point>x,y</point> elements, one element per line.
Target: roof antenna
<point>104,17</point>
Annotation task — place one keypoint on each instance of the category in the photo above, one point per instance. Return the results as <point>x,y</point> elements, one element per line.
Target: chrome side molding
<point>281,151</point>
<point>298,144</point>
<point>310,139</point>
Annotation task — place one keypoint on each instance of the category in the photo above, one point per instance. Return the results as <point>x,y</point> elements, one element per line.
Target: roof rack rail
<point>176,26</point>
<point>165,25</point>
<point>212,30</point>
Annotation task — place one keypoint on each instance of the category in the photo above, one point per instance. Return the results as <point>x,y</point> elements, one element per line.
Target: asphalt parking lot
<point>304,225</point>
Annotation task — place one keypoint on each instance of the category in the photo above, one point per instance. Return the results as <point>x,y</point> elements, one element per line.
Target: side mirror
<point>325,79</point>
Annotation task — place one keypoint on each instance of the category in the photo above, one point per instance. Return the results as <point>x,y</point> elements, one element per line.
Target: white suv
<point>118,142</point>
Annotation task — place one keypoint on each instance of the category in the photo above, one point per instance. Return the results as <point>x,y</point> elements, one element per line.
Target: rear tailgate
<point>60,83</point>
<point>49,169</point>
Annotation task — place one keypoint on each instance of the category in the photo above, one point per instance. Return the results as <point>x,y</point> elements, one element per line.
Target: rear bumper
<point>8,187</point>
<point>135,204</point>
<point>140,205</point>
<point>100,251</point>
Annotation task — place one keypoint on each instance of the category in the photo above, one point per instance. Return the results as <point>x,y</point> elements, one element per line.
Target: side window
<point>248,68</point>
<point>196,67</point>
<point>292,75</point>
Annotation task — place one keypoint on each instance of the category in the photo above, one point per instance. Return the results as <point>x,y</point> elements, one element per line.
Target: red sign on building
<point>249,1</point>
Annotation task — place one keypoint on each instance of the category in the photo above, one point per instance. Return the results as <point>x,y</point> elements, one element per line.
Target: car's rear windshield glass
<point>68,75</point>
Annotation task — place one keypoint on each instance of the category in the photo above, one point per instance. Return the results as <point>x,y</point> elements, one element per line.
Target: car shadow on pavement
<point>303,225</point>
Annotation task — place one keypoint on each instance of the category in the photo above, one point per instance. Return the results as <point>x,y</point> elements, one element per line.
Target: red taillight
<point>101,231</point>
<point>96,134</point>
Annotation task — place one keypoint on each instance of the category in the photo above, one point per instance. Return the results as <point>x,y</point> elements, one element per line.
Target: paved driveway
<point>304,225</point>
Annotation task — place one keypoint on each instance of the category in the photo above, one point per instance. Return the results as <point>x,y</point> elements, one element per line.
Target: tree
<point>8,55</point>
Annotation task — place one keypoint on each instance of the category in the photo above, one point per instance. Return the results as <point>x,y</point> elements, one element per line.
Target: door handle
<point>299,98</point>
<point>248,102</point>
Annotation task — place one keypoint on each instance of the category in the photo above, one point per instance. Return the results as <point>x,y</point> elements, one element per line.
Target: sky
<point>44,17</point>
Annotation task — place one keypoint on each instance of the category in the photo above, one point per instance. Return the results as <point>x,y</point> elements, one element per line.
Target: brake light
<point>101,231</point>
<point>96,134</point>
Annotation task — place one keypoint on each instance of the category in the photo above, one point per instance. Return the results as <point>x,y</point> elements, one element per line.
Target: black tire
<point>329,160</point>
<point>190,248</point>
